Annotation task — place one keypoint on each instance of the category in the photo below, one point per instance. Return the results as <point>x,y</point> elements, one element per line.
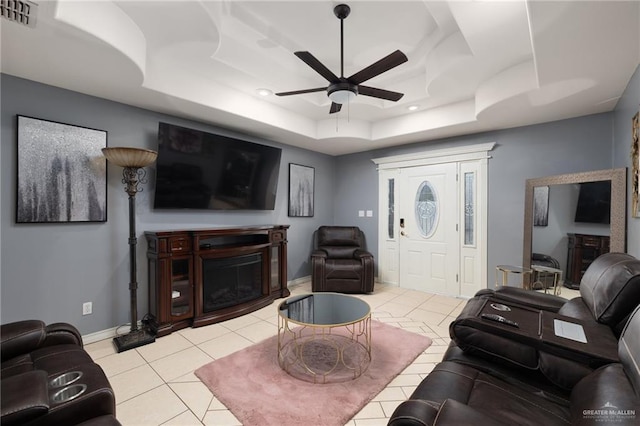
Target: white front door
<point>444,246</point>
<point>429,242</point>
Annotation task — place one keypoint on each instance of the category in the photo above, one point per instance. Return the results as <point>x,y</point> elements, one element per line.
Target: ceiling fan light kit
<point>342,93</point>
<point>343,90</point>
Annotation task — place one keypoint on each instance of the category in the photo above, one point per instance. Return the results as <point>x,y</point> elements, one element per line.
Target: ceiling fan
<point>342,90</point>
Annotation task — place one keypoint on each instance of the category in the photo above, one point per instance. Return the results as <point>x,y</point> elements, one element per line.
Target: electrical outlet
<point>87,308</point>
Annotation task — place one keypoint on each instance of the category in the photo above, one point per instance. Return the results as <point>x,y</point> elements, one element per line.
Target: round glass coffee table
<point>324,337</point>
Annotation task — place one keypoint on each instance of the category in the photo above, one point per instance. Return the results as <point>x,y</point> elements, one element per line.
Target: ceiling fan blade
<point>299,92</point>
<point>311,60</point>
<point>335,107</point>
<point>380,93</point>
<point>385,64</point>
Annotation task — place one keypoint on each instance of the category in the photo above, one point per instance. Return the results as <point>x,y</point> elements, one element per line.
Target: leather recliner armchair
<point>339,261</point>
<point>48,378</point>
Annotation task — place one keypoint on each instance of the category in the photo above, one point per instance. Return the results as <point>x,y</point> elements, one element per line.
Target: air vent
<point>20,11</point>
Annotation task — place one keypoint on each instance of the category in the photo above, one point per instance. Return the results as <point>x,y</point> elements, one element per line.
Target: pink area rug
<point>252,385</point>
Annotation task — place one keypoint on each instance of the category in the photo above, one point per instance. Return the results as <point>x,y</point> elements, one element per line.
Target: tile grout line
<point>437,340</point>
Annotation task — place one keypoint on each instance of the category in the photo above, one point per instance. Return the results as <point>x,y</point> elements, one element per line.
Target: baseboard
<point>307,279</point>
<point>109,333</point>
<point>298,281</point>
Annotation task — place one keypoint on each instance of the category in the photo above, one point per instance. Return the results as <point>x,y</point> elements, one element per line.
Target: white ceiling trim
<point>473,66</point>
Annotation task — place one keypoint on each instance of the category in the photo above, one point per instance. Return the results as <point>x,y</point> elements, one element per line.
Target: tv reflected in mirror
<point>594,202</point>
<point>200,170</point>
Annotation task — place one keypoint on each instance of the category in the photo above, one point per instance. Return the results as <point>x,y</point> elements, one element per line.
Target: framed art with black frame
<point>301,190</point>
<point>62,174</point>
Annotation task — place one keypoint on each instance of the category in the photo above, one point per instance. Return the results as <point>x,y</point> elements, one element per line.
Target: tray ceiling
<point>473,65</point>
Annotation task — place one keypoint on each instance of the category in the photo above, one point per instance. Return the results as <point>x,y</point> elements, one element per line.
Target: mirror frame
<point>618,222</point>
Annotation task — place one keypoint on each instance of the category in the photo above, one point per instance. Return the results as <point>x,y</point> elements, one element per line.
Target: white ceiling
<point>473,65</point>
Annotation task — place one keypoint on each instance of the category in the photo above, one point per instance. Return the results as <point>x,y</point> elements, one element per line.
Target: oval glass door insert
<point>426,209</point>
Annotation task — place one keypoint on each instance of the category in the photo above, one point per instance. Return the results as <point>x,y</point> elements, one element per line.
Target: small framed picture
<point>62,174</point>
<point>301,190</point>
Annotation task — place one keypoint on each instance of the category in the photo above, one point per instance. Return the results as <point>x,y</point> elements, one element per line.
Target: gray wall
<point>628,105</point>
<point>49,270</point>
<point>566,146</point>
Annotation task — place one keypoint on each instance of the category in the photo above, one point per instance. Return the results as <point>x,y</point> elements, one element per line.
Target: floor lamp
<point>133,160</point>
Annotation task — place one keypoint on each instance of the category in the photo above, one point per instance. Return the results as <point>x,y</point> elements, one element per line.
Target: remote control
<point>500,319</point>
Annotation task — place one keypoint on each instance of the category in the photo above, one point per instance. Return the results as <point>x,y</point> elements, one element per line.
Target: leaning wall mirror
<point>571,219</point>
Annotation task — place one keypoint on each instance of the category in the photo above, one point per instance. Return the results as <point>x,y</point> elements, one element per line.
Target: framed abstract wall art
<point>301,190</point>
<point>62,174</point>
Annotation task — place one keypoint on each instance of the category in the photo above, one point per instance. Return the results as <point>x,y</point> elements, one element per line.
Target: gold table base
<point>327,353</point>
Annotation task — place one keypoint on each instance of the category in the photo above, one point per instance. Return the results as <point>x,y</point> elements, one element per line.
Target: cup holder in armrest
<point>69,393</point>
<point>500,307</point>
<point>65,379</point>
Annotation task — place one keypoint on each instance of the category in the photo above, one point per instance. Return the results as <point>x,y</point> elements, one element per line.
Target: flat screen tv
<point>199,170</point>
<point>594,202</point>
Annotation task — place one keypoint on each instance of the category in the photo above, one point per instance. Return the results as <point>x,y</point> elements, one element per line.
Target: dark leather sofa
<point>49,379</point>
<point>340,262</point>
<point>459,394</point>
<point>609,292</point>
<point>499,374</point>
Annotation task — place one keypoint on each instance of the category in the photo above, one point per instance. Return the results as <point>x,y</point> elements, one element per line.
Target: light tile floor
<point>155,384</point>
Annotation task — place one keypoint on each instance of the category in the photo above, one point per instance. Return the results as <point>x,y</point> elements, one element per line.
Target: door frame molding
<point>386,167</point>
<point>436,156</point>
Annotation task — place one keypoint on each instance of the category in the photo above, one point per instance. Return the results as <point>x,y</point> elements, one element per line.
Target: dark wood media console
<point>200,277</point>
<point>582,251</point>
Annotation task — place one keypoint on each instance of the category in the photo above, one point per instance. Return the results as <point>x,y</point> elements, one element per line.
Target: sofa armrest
<point>318,253</point>
<point>427,413</point>
<point>24,397</point>
<point>456,413</point>
<point>414,412</point>
<point>21,337</point>
<point>606,396</point>
<point>362,254</point>
<point>533,299</point>
<point>61,333</point>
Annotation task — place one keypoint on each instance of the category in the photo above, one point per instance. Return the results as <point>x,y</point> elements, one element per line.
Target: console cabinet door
<point>181,288</point>
<point>275,268</point>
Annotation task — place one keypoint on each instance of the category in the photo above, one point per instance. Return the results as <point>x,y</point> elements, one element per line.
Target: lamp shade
<point>130,157</point>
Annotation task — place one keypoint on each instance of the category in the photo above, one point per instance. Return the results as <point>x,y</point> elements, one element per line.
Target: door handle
<point>404,234</point>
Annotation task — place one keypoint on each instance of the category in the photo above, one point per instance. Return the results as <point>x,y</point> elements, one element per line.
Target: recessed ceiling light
<point>264,92</point>
<point>413,107</point>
